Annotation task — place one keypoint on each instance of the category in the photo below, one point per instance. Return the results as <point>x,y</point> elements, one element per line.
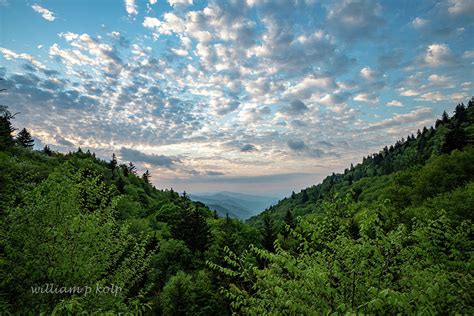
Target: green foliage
<point>384,268</point>
<point>66,233</point>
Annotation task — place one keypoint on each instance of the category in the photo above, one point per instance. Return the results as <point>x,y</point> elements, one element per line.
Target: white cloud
<point>419,22</point>
<point>68,36</point>
<point>153,1</point>
<point>45,13</point>
<point>131,7</point>
<point>394,103</point>
<point>10,55</point>
<point>400,119</point>
<point>179,52</point>
<point>70,57</point>
<point>437,54</point>
<point>438,96</point>
<point>170,24</point>
<point>366,97</point>
<point>438,79</point>
<point>151,22</point>
<point>409,92</point>
<point>367,73</point>
<point>180,2</point>
<point>309,85</point>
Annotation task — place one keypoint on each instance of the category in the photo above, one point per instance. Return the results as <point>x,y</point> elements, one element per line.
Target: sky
<point>253,96</point>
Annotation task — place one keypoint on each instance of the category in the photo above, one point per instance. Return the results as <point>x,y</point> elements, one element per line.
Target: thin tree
<point>268,233</point>
<point>113,162</point>
<point>6,128</point>
<point>146,177</point>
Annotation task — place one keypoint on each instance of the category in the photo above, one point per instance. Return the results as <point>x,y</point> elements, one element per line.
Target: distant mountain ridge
<point>236,205</point>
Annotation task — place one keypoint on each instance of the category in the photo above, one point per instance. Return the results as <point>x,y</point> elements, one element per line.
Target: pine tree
<point>113,162</point>
<point>289,220</point>
<point>6,128</point>
<point>131,168</point>
<point>24,139</point>
<point>268,232</point>
<point>445,117</point>
<point>120,185</point>
<point>47,150</point>
<point>193,229</point>
<point>146,176</point>
<point>460,113</point>
<point>304,197</point>
<point>124,170</point>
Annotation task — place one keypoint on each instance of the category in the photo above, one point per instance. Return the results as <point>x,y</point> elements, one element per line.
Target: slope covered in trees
<point>72,223</point>
<point>384,175</point>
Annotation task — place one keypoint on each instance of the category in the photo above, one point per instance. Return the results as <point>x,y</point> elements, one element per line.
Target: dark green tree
<point>47,150</point>
<point>131,168</point>
<point>24,139</point>
<point>268,232</point>
<point>121,185</point>
<point>192,228</point>
<point>113,162</point>
<point>289,221</point>
<point>460,113</point>
<point>146,176</point>
<point>444,117</point>
<point>304,197</point>
<point>6,128</point>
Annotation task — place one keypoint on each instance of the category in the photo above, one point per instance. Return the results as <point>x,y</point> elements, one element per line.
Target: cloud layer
<point>203,92</point>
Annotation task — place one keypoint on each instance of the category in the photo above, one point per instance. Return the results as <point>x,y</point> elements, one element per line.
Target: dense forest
<point>392,234</point>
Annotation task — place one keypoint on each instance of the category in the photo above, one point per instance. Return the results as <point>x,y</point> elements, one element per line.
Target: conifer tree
<point>24,139</point>
<point>6,128</point>
<point>268,232</point>
<point>146,176</point>
<point>131,168</point>
<point>460,113</point>
<point>445,117</point>
<point>289,220</point>
<point>47,150</point>
<point>120,185</point>
<point>304,197</point>
<point>113,162</point>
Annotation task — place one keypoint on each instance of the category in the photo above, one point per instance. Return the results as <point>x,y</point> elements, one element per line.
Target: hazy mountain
<point>237,205</point>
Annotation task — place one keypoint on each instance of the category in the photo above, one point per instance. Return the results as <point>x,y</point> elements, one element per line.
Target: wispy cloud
<point>45,13</point>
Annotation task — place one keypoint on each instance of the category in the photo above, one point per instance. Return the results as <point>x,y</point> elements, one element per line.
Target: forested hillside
<point>393,173</point>
<point>72,220</point>
<point>390,235</point>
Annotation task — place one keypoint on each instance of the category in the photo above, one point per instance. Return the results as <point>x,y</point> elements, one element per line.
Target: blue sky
<point>252,96</point>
